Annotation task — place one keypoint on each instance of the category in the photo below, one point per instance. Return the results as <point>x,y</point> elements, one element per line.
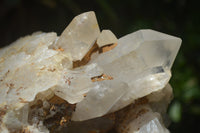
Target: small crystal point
<point>79,36</point>
<point>105,38</point>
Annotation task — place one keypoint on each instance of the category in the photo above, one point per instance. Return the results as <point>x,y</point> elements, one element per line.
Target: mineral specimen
<point>87,82</point>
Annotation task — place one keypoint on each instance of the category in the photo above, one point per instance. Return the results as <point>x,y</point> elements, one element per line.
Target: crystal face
<point>79,36</point>
<point>86,80</point>
<point>105,38</point>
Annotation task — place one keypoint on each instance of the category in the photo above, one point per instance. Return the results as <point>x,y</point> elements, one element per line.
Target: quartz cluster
<point>87,81</point>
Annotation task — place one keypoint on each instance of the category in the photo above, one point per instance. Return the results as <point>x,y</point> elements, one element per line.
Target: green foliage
<point>175,112</point>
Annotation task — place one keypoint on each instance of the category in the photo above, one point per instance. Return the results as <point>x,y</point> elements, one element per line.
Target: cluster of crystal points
<point>119,84</point>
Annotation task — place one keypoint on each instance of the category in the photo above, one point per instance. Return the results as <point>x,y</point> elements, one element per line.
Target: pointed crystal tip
<point>154,48</point>
<point>159,49</point>
<point>79,36</point>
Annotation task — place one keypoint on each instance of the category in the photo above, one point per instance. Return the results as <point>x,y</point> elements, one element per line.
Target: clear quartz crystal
<point>105,93</point>
<point>128,63</point>
<point>79,36</point>
<point>41,65</point>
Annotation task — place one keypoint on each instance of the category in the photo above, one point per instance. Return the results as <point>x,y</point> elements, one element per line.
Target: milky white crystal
<point>105,38</point>
<point>40,66</point>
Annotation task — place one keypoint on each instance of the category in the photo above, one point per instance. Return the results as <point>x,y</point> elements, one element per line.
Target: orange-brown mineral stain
<point>10,87</point>
<point>86,58</point>
<point>57,100</point>
<point>68,81</point>
<point>51,69</point>
<point>22,100</point>
<point>126,115</point>
<point>63,121</point>
<point>85,95</point>
<point>20,88</point>
<point>59,49</point>
<point>25,130</point>
<point>107,48</point>
<point>101,78</point>
<point>94,49</point>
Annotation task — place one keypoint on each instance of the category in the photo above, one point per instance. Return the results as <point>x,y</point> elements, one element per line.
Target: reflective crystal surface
<point>129,64</point>
<point>79,36</point>
<point>83,79</point>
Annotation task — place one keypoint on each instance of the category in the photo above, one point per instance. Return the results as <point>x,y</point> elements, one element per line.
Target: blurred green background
<point>176,17</point>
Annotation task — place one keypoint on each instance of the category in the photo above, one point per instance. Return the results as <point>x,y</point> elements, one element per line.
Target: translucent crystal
<point>105,38</point>
<point>27,68</point>
<point>142,60</point>
<point>154,48</point>
<point>79,36</point>
<point>102,97</point>
<point>90,85</point>
<point>146,115</point>
<point>152,126</point>
<point>73,85</point>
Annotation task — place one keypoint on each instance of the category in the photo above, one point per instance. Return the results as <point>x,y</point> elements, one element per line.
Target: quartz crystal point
<point>142,60</point>
<point>79,36</point>
<point>66,83</point>
<point>105,38</point>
